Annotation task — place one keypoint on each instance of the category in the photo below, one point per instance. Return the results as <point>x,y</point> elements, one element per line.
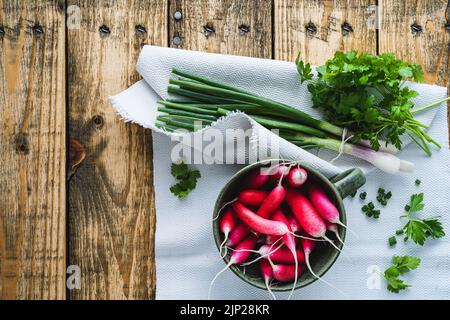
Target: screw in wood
<point>177,15</point>
<point>176,40</point>
<point>243,29</point>
<point>416,29</point>
<point>208,29</point>
<point>98,121</point>
<point>38,30</point>
<point>140,29</point>
<point>346,28</point>
<point>104,31</point>
<point>311,28</point>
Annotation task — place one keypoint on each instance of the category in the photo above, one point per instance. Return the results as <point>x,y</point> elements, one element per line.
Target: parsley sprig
<point>186,179</point>
<point>366,94</point>
<point>420,229</point>
<point>400,266</point>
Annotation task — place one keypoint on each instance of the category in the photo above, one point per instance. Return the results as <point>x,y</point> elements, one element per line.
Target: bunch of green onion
<point>205,101</point>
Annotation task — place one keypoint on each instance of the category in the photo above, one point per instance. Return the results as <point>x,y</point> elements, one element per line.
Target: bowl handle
<point>349,181</point>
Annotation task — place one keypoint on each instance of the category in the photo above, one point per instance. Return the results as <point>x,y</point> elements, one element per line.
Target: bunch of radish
<point>278,215</point>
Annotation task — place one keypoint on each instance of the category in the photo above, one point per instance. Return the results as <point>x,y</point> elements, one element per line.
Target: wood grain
<point>419,31</point>
<point>316,29</point>
<point>111,197</point>
<point>241,27</point>
<point>32,150</point>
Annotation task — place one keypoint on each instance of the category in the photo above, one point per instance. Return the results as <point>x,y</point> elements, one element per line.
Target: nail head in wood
<point>244,29</point>
<point>208,29</point>
<point>447,26</point>
<point>104,31</point>
<point>38,30</point>
<point>176,40</point>
<point>346,28</point>
<point>140,29</point>
<point>416,28</point>
<point>177,15</point>
<point>311,28</point>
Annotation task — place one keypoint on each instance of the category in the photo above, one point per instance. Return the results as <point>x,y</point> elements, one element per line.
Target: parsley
<point>370,211</point>
<point>399,266</point>
<point>186,179</point>
<point>419,230</point>
<point>366,94</point>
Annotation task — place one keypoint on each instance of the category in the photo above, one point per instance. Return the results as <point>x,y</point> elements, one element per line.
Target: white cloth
<point>186,256</point>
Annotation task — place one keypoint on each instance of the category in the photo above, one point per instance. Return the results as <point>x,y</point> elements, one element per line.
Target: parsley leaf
<point>186,179</point>
<point>400,265</point>
<point>420,229</point>
<point>304,70</point>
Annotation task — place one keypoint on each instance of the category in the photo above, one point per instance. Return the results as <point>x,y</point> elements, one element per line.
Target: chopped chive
<point>363,195</point>
<point>392,241</point>
<point>399,232</point>
<point>418,182</point>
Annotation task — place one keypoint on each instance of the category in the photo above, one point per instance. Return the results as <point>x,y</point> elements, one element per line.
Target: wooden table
<point>76,181</point>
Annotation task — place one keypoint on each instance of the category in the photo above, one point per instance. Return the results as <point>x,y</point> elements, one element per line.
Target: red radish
<point>293,223</point>
<point>308,247</point>
<point>289,240</point>
<point>238,256</point>
<point>324,206</point>
<point>239,232</point>
<point>271,239</point>
<point>305,213</point>
<point>256,179</point>
<point>267,274</point>
<point>334,228</point>
<point>252,197</point>
<point>285,273</point>
<point>226,224</point>
<point>258,223</point>
<point>279,172</point>
<point>297,177</point>
<point>282,255</point>
<point>272,202</point>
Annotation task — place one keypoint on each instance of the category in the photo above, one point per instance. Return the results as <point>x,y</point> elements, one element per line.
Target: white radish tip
<point>407,166</point>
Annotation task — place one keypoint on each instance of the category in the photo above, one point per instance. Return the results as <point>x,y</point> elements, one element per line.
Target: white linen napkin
<point>186,256</point>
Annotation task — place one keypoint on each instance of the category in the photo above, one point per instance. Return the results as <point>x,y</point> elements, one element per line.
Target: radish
<point>252,197</point>
<point>282,255</point>
<point>289,240</point>
<point>239,232</point>
<point>293,223</point>
<point>307,216</point>
<point>297,177</point>
<point>259,224</point>
<point>238,256</point>
<point>285,273</point>
<point>334,228</point>
<point>308,246</point>
<point>256,179</point>
<point>326,209</point>
<point>279,172</point>
<point>267,274</point>
<point>226,224</point>
<point>272,202</point>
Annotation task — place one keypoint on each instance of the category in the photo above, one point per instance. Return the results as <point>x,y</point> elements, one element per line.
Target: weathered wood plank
<point>419,31</point>
<point>32,150</point>
<point>241,27</point>
<point>316,29</point>
<point>110,192</point>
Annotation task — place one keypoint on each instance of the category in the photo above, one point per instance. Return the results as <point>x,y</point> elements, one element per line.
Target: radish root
<point>266,280</point>
<point>353,232</point>
<point>216,276</point>
<point>223,207</point>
